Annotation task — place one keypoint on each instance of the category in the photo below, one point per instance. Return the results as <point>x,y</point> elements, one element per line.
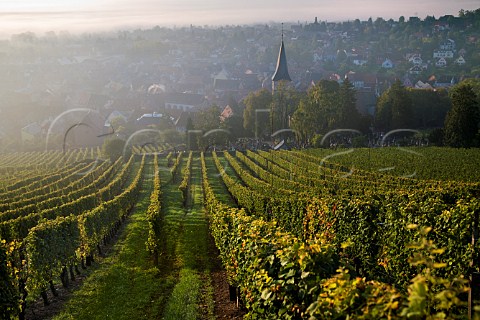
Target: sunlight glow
<point>101,15</point>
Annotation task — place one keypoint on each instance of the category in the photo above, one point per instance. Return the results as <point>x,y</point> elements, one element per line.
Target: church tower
<point>281,72</point>
<point>279,107</point>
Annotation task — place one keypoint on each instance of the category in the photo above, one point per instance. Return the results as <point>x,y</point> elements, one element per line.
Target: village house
<point>416,69</point>
<point>441,63</point>
<point>407,83</point>
<point>362,80</point>
<point>443,54</point>
<point>417,61</point>
<point>448,45</point>
<point>444,82</point>
<point>423,85</point>
<point>387,64</point>
<point>226,113</point>
<point>184,101</point>
<point>460,61</point>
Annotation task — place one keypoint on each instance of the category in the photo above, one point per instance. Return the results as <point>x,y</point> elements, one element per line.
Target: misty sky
<point>100,15</point>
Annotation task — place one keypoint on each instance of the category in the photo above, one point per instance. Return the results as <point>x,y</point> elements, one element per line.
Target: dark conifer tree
<point>394,109</point>
<point>348,115</point>
<point>461,124</point>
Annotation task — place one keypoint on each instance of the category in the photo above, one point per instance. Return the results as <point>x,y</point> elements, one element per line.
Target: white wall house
<point>443,54</point>
<point>442,62</point>
<point>387,64</point>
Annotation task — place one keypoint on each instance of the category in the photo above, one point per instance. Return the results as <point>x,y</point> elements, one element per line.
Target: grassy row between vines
<point>126,285</point>
<point>188,232</point>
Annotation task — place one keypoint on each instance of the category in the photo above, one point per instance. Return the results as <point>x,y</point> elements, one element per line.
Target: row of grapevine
<point>92,181</point>
<point>98,222</point>
<point>276,181</point>
<point>102,188</point>
<point>170,158</point>
<point>253,182</point>
<point>150,149</point>
<point>283,277</point>
<point>450,163</point>
<point>54,246</point>
<point>381,179</point>
<point>34,161</point>
<point>25,159</point>
<point>324,182</point>
<point>154,216</point>
<point>175,167</point>
<point>42,189</point>
<point>330,174</point>
<point>27,178</point>
<point>355,185</point>
<point>183,187</point>
<point>263,201</point>
<point>375,222</point>
<point>285,170</point>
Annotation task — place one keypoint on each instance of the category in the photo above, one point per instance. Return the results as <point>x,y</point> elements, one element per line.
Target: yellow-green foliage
<point>154,217</point>
<point>183,187</point>
<point>283,277</point>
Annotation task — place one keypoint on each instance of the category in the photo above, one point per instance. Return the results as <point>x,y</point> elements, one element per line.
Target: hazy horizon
<point>106,15</point>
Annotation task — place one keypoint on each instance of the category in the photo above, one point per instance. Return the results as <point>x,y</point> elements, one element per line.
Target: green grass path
<point>125,285</point>
<point>188,241</point>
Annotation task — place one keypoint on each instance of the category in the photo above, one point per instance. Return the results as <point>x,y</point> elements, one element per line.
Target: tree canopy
<point>327,106</point>
<point>284,102</point>
<point>462,122</point>
<point>394,109</point>
<point>256,113</point>
<point>208,122</point>
<point>113,148</point>
<point>430,107</point>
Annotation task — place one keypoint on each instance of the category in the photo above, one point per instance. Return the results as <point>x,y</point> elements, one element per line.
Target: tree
<point>461,124</point>
<point>327,106</point>
<point>429,21</point>
<point>113,148</point>
<point>431,107</point>
<point>233,103</point>
<point>208,121</point>
<point>304,121</point>
<point>284,103</point>
<point>348,115</point>
<point>394,109</point>
<point>255,115</point>
<point>324,98</point>
<point>436,137</point>
<point>172,136</point>
<point>121,127</point>
<point>118,124</point>
<point>234,124</point>
<point>475,84</point>
<point>191,139</point>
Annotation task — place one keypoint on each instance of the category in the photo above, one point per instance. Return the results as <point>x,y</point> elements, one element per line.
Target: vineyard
<point>314,234</point>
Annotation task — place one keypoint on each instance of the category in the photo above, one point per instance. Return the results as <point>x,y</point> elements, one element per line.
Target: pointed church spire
<point>281,72</point>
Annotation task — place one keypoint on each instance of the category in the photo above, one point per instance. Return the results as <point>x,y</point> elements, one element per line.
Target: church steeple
<point>281,72</point>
